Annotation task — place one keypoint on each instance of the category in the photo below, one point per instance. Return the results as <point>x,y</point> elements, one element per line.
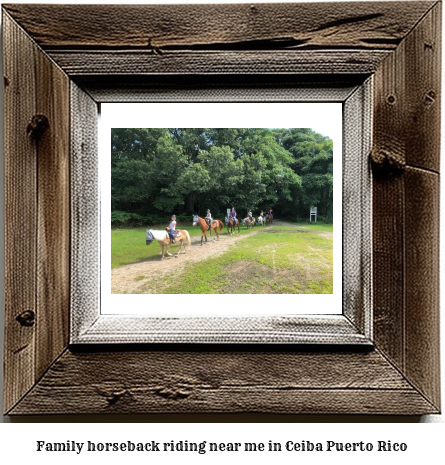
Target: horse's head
<point>149,237</point>
<point>195,220</point>
<point>244,221</point>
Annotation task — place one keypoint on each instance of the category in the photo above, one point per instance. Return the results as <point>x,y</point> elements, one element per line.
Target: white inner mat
<point>324,118</point>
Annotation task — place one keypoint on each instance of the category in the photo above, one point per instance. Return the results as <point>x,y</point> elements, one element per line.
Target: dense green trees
<point>156,172</point>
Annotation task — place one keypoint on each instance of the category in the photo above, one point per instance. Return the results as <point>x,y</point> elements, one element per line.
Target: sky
<point>324,118</point>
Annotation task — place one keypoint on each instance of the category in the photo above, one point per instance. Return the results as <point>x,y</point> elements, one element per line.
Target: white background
<point>426,443</point>
<point>325,118</point>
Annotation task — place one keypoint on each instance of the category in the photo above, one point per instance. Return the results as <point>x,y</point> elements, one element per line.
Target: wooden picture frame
<point>90,319</point>
<point>75,57</point>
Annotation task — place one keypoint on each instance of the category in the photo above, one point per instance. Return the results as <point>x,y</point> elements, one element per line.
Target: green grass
<point>315,226</point>
<point>128,245</point>
<point>288,261</point>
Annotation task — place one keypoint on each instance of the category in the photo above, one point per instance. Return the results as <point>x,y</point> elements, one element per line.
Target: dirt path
<point>129,278</point>
<point>285,223</point>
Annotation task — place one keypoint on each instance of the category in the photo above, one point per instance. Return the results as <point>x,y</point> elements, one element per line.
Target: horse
<point>214,225</point>
<point>231,225</point>
<point>220,225</point>
<point>249,223</point>
<point>163,238</point>
<point>262,220</point>
<point>269,218</point>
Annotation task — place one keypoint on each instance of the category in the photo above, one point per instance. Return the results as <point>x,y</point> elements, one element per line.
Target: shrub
<point>120,219</point>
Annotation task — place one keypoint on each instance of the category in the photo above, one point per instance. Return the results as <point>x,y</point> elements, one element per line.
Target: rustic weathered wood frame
<point>89,321</point>
<point>77,56</point>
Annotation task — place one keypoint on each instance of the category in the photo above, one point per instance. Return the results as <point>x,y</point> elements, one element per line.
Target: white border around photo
<point>324,118</point>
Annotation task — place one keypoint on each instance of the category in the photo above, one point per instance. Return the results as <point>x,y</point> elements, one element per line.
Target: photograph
<point>221,211</point>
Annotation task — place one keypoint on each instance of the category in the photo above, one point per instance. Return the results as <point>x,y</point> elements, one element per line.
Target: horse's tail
<point>189,241</point>
<point>221,225</point>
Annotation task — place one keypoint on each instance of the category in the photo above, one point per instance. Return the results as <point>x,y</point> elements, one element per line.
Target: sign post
<point>313,214</point>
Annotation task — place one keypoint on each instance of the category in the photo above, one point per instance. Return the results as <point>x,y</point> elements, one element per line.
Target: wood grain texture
<point>20,212</point>
<point>85,208</point>
<point>112,329</point>
<point>78,63</point>
<point>53,228</point>
<point>274,26</point>
<point>390,106</point>
<point>218,87</point>
<point>423,48</point>
<point>422,364</point>
<point>37,218</point>
<point>406,240</point>
<point>223,382</point>
<point>389,140</point>
<point>388,201</point>
<point>388,268</point>
<point>357,209</point>
<point>399,377</point>
<point>408,82</point>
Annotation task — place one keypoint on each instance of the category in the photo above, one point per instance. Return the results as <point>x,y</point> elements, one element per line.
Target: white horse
<point>261,220</point>
<point>164,240</point>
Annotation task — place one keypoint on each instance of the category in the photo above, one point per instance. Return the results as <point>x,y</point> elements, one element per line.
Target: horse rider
<point>262,214</point>
<point>208,219</point>
<point>233,216</point>
<point>171,228</point>
<point>249,214</point>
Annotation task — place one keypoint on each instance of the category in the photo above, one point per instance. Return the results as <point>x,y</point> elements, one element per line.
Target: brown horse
<point>163,238</point>
<point>249,223</point>
<point>220,225</point>
<point>204,226</point>
<point>269,218</point>
<point>232,226</point>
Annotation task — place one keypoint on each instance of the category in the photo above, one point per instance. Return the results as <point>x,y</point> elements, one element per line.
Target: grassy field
<point>128,245</point>
<point>280,259</point>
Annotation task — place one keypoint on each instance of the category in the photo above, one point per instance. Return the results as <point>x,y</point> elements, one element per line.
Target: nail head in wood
<point>26,318</point>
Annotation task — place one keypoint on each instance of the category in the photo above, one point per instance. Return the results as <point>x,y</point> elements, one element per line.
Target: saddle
<point>209,223</point>
<point>176,233</point>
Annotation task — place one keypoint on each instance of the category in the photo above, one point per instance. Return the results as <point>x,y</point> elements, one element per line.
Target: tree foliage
<point>186,170</point>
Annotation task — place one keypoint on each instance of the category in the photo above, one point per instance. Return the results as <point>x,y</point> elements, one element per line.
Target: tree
<point>313,162</point>
<point>185,170</point>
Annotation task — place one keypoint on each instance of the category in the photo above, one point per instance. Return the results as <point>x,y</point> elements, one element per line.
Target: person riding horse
<point>249,214</point>
<point>208,219</point>
<point>233,216</point>
<point>171,228</point>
